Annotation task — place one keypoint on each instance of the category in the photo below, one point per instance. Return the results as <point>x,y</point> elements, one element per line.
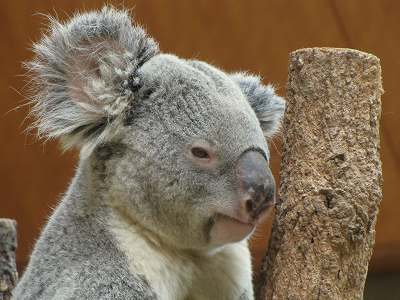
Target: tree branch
<point>331,178</point>
<point>8,269</point>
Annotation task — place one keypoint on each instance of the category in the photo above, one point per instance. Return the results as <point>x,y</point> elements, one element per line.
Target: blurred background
<point>255,36</point>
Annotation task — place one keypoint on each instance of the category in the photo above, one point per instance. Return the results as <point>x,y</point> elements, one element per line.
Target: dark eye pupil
<point>200,152</point>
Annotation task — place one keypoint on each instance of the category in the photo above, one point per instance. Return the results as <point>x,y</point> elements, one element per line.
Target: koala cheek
<point>227,230</point>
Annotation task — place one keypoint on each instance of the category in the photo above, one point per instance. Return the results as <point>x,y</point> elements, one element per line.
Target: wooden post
<point>331,178</point>
<point>8,269</point>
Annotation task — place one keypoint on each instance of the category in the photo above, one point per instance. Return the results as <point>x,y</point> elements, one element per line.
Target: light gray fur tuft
<point>268,106</point>
<point>84,76</point>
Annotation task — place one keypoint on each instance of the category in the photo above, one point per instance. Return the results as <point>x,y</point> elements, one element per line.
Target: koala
<point>173,174</point>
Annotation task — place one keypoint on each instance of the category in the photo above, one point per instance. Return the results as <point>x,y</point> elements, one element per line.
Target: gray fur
<point>134,112</point>
<point>76,258</point>
<point>267,105</point>
<point>82,70</point>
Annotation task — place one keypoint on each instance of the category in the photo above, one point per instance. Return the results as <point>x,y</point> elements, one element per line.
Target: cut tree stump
<point>8,269</point>
<point>331,178</point>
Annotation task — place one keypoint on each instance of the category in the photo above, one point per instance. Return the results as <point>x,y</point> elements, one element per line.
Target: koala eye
<point>200,152</point>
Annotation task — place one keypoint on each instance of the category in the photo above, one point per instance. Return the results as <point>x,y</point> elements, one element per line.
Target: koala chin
<point>173,175</point>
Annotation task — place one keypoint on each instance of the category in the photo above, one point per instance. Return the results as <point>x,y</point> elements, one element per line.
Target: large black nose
<point>257,185</point>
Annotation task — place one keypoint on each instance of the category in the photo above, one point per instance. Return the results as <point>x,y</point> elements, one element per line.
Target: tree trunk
<point>8,269</point>
<point>331,178</point>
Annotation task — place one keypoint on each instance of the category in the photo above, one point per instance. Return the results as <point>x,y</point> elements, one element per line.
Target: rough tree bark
<point>324,231</point>
<point>8,269</point>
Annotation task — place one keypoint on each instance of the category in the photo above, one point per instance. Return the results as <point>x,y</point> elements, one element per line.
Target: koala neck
<point>96,199</point>
<point>122,219</point>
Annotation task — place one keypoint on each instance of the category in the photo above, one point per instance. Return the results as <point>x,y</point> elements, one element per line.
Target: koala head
<point>177,146</point>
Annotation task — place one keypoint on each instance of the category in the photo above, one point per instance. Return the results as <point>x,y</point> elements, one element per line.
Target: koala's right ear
<point>84,76</point>
<point>268,106</point>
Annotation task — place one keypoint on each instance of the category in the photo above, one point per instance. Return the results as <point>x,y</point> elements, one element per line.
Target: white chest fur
<point>175,275</point>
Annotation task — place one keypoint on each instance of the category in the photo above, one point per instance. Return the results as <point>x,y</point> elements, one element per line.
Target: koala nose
<point>257,185</point>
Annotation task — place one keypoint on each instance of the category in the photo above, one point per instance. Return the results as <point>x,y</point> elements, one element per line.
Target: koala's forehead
<point>197,93</point>
<point>176,75</point>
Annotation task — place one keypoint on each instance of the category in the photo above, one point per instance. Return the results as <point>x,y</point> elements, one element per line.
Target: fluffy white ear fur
<point>84,76</point>
<point>268,106</point>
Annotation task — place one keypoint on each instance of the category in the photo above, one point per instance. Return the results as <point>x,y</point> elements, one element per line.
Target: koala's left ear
<point>268,106</point>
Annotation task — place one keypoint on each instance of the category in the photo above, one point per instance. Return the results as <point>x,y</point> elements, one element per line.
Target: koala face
<point>192,163</point>
<point>196,154</point>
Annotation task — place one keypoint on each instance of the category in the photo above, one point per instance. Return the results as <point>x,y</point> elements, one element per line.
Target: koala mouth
<point>236,220</point>
<point>227,230</point>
